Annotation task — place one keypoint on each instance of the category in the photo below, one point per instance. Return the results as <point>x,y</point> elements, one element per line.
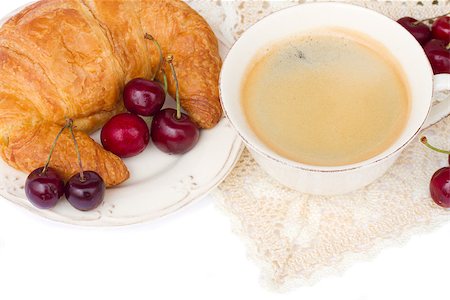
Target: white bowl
<point>309,17</point>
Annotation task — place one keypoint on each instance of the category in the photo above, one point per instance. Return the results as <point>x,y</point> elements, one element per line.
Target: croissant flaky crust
<point>64,59</point>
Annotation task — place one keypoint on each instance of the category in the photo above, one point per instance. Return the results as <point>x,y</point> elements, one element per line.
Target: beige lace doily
<point>298,238</point>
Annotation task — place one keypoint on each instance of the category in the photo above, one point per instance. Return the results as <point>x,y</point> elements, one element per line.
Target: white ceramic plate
<point>159,183</point>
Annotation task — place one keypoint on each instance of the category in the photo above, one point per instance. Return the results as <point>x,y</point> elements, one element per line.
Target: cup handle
<point>441,96</point>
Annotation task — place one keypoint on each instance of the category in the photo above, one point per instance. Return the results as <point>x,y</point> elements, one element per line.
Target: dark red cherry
<point>420,31</point>
<point>438,55</point>
<point>440,187</point>
<point>44,189</point>
<point>125,135</point>
<point>440,181</point>
<point>173,135</point>
<point>143,97</point>
<point>85,191</point>
<point>441,29</point>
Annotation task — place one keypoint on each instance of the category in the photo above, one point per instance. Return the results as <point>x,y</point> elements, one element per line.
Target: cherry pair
<point>44,186</point>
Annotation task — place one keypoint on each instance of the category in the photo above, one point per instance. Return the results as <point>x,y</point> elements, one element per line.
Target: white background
<point>191,254</point>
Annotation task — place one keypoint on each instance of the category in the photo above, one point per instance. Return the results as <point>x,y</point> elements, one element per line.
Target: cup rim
<point>325,169</point>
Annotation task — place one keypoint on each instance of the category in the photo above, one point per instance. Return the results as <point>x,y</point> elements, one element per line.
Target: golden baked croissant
<point>64,59</point>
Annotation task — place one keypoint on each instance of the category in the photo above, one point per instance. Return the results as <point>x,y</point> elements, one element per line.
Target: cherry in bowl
<point>172,131</point>
<point>143,97</point>
<point>85,190</point>
<point>44,187</point>
<point>174,134</point>
<point>125,135</point>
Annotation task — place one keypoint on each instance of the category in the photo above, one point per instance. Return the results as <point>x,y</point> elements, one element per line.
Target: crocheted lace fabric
<point>298,238</point>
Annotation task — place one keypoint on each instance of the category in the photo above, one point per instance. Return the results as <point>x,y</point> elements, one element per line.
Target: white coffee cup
<point>309,17</point>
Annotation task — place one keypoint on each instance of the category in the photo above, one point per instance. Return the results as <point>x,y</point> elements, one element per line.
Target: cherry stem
<point>424,141</point>
<point>430,19</point>
<point>169,60</point>
<point>151,38</point>
<point>164,79</point>
<point>76,149</point>
<point>53,147</point>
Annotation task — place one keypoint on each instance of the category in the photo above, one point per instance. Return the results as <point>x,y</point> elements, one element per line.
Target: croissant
<point>64,59</point>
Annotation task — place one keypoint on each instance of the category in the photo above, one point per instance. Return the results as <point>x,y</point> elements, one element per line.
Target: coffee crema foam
<point>329,98</point>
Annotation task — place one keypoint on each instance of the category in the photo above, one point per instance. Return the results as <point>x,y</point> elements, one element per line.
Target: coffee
<point>330,98</point>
